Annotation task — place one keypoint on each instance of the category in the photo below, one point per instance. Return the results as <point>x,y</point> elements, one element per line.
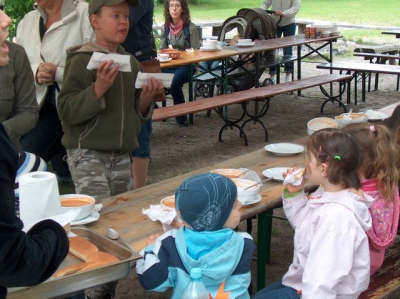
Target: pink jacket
<point>385,219</point>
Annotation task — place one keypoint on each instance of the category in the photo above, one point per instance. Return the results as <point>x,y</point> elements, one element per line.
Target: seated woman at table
<point>180,33</point>
<point>208,206</point>
<point>379,180</point>
<point>331,254</point>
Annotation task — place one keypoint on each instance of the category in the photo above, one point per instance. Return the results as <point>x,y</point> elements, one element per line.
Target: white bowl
<point>168,202</point>
<point>210,44</point>
<point>244,41</point>
<point>249,194</point>
<point>347,118</point>
<point>321,123</point>
<point>230,173</point>
<point>77,201</point>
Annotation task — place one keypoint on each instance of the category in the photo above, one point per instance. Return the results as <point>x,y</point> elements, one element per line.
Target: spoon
<point>265,180</point>
<point>114,235</point>
<point>240,174</point>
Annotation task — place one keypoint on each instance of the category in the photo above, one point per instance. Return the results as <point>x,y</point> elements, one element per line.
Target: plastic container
<point>195,288</point>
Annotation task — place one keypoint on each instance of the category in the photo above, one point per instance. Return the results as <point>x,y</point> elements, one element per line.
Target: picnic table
<point>392,32</point>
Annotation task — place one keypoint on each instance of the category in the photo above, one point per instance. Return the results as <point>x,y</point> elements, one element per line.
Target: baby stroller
<point>253,23</point>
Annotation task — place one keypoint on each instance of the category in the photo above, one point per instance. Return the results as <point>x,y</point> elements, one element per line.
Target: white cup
<point>163,57</point>
<point>209,44</point>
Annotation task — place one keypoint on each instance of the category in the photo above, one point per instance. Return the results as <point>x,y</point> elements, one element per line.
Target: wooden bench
<point>261,94</point>
<point>208,80</point>
<point>360,69</point>
<point>380,59</point>
<point>385,283</point>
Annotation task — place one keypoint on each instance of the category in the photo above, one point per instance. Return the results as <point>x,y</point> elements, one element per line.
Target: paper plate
<point>275,173</point>
<point>245,44</point>
<point>284,149</point>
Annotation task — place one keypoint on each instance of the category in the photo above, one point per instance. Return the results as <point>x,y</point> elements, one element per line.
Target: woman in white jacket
<point>46,33</point>
<point>331,253</point>
<point>287,9</point>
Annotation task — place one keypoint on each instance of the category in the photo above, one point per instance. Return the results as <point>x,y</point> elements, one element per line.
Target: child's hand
<point>105,77</point>
<point>148,93</point>
<point>46,73</point>
<point>291,188</point>
<point>152,239</point>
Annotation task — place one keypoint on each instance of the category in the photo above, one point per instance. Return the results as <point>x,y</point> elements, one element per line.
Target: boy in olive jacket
<point>101,110</point>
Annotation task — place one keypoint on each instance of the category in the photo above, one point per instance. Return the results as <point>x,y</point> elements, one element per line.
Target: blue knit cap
<point>205,201</point>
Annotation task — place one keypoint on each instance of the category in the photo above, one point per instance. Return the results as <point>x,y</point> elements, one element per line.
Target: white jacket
<point>331,253</point>
<point>73,29</point>
<point>289,7</point>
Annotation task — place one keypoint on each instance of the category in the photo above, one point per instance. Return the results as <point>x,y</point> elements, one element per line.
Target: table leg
<point>299,66</point>
<point>190,90</point>
<point>263,245</point>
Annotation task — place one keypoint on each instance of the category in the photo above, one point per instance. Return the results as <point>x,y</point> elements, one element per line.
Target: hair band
<point>372,128</point>
<point>337,157</point>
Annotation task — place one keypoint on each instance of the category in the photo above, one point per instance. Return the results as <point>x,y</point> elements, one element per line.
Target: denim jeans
<point>45,139</point>
<point>277,291</point>
<point>143,151</point>
<point>287,30</point>
<point>180,78</point>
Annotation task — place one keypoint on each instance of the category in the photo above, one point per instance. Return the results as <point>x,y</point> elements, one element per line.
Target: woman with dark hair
<point>180,33</point>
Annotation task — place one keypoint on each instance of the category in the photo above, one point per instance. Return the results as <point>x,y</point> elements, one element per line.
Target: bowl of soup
<point>168,202</point>
<point>246,189</point>
<point>78,201</point>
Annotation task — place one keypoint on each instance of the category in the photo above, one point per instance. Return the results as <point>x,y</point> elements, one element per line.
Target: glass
<point>176,5</point>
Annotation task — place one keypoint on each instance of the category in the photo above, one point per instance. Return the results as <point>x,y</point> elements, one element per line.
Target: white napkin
<point>38,196</point>
<point>142,78</point>
<point>290,178</point>
<point>124,63</point>
<point>251,175</point>
<point>159,213</point>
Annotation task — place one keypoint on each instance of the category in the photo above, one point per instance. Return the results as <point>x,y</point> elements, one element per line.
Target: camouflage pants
<point>100,174</point>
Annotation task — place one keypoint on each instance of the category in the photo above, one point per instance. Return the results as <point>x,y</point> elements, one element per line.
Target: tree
<point>16,10</point>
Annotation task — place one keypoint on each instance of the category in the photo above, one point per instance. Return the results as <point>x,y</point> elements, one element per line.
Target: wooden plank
<point>361,67</point>
<point>386,282</point>
<point>372,56</point>
<point>245,96</point>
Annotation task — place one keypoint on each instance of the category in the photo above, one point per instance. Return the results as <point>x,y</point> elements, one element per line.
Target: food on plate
<point>168,202</point>
<point>76,201</point>
<point>102,256</point>
<point>95,265</point>
<point>81,248</point>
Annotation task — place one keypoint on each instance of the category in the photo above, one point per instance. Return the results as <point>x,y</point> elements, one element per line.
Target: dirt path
<point>179,150</point>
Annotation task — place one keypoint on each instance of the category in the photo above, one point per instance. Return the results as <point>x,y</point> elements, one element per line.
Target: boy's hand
<point>291,188</point>
<point>105,78</point>
<point>148,93</point>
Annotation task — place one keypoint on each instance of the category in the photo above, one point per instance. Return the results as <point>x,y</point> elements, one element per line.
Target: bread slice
<point>81,248</point>
<point>69,270</point>
<point>95,265</point>
<point>102,256</point>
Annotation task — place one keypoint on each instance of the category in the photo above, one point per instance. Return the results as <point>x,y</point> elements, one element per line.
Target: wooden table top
<point>266,45</point>
<point>126,214</point>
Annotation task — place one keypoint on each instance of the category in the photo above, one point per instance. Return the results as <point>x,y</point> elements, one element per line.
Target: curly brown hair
<point>185,11</point>
<point>380,155</point>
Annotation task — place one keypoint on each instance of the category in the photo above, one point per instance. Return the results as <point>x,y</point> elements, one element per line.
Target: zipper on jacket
<point>122,113</point>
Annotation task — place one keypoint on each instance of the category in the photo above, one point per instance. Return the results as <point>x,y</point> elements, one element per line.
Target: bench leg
<point>263,245</point>
<point>337,98</point>
<point>231,124</point>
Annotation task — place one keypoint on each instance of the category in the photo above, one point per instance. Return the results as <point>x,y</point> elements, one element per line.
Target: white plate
<point>376,115</point>
<point>284,149</point>
<point>209,50</point>
<point>245,44</point>
<point>275,173</point>
<point>256,199</point>
<point>165,60</point>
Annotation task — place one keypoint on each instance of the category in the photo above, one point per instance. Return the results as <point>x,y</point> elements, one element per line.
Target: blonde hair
<point>380,155</point>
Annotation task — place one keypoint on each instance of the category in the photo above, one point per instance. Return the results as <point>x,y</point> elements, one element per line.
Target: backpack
<point>186,33</point>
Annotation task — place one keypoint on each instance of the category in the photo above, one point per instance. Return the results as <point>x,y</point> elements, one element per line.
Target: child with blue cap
<point>209,209</point>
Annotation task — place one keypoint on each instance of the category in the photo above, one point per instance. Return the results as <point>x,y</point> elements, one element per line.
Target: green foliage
<point>16,10</point>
